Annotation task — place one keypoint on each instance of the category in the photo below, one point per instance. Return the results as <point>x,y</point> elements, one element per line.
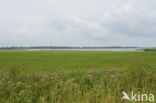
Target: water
<point>89,49</point>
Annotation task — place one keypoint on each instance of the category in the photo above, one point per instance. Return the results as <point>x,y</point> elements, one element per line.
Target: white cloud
<point>77,23</point>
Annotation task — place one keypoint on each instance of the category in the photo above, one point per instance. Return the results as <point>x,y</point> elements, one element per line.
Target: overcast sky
<point>78,23</point>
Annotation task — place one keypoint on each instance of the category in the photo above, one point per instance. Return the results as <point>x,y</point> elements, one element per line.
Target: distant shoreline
<point>71,49</point>
<point>61,48</point>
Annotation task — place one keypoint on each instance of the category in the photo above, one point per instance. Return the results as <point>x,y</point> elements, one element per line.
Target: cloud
<point>131,21</point>
<point>78,23</point>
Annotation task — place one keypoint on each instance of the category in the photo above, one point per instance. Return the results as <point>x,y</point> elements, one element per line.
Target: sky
<point>78,23</point>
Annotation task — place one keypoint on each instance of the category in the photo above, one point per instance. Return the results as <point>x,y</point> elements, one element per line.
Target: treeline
<point>63,47</point>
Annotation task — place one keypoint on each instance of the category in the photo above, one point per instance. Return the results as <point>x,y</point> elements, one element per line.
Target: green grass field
<point>75,76</point>
<point>42,62</point>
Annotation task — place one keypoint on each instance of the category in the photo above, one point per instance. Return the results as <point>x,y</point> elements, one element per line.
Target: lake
<point>88,49</point>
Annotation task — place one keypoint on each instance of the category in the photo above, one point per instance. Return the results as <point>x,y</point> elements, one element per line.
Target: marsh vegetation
<point>82,85</point>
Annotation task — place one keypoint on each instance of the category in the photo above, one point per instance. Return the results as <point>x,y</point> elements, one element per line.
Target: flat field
<point>43,62</point>
<point>76,76</point>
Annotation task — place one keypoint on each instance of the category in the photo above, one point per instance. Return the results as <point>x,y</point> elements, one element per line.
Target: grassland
<point>74,76</point>
<point>43,62</point>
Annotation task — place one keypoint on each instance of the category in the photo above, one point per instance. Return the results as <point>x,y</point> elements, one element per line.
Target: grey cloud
<point>131,21</point>
<point>78,23</point>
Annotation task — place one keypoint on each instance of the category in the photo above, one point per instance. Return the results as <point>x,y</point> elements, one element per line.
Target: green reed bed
<point>76,87</point>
